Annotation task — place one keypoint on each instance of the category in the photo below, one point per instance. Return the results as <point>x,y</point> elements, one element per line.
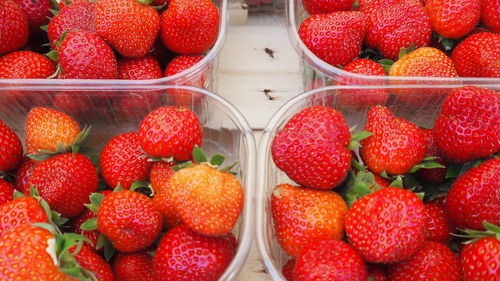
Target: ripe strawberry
<point>467,125</point>
<point>23,174</point>
<point>453,18</point>
<point>13,27</point>
<point>159,176</point>
<point>395,146</point>
<point>387,226</point>
<point>303,216</point>
<point>436,175</point>
<point>375,273</point>
<point>178,65</point>
<point>20,211</point>
<point>190,27</point>
<point>312,148</point>
<point>94,263</point>
<point>473,197</point>
<point>335,38</point>
<point>287,269</point>
<point>135,266</point>
<point>11,149</point>
<point>477,55</point>
<point>122,161</point>
<point>129,26</point>
<point>437,227</point>
<point>424,62</point>
<point>75,17</point>
<point>64,3</point>
<point>129,220</point>
<point>393,25</point>
<point>481,260</point>
<point>434,261</point>
<point>83,55</point>
<point>139,68</point>
<point>6,192</point>
<point>25,65</point>
<point>326,6</point>
<point>184,255</point>
<point>170,131</point>
<point>38,12</point>
<point>330,259</point>
<point>181,63</point>
<point>490,14</point>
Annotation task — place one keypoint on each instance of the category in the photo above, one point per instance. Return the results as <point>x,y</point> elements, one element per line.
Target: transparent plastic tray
<point>269,175</point>
<point>225,130</point>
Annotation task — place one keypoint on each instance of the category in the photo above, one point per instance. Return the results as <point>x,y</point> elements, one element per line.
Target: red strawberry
<point>302,216</point>
<point>25,65</point>
<point>159,176</point>
<point>20,211</point>
<point>64,3</point>
<point>437,227</point>
<point>477,55</point>
<point>181,63</point>
<point>331,259</point>
<point>375,273</point>
<point>6,192</point>
<point>139,68</point>
<point>395,146</point>
<point>434,261</point>
<point>83,55</point>
<point>386,226</point>
<point>490,14</point>
<point>481,260</point>
<point>178,65</point>
<point>65,181</point>
<point>397,24</point>
<point>38,12</point>
<point>129,26</point>
<point>11,149</point>
<point>467,125</point>
<point>312,148</point>
<point>287,269</point>
<point>335,38</point>
<point>23,174</point>
<point>453,18</point>
<point>326,6</point>
<point>184,255</point>
<point>473,197</point>
<point>170,132</point>
<point>75,17</point>
<point>94,263</point>
<point>436,175</point>
<point>137,266</point>
<point>13,27</point>
<point>122,161</point>
<point>190,27</point>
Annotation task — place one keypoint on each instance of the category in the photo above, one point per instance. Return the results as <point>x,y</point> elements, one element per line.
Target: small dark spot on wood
<point>270,52</point>
<point>268,96</point>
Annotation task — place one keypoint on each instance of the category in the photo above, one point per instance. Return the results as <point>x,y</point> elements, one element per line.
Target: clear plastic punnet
<point>419,104</point>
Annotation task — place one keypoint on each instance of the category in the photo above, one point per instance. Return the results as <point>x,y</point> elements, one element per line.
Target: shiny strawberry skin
<point>435,175</point>
<point>335,38</point>
<point>395,146</point>
<point>20,211</point>
<point>303,216</point>
<point>287,269</point>
<point>25,65</point>
<point>136,266</point>
<point>127,25</point>
<point>190,27</point>
<point>23,174</point>
<point>94,263</point>
<point>311,148</point>
<point>331,259</point>
<point>13,27</point>
<point>490,14</point>
<point>434,261</point>
<point>38,12</point>
<point>6,192</point>
<point>467,125</point>
<point>170,132</point>
<point>386,226</point>
<point>326,6</point>
<point>129,220</point>
<point>477,55</point>
<point>453,18</point>
<point>425,61</point>
<point>122,161</point>
<point>178,65</point>
<point>473,197</point>
<point>11,149</point>
<point>481,260</point>
<point>438,228</point>
<point>181,63</point>
<point>184,255</point>
<point>65,181</point>
<point>159,177</point>
<point>139,68</point>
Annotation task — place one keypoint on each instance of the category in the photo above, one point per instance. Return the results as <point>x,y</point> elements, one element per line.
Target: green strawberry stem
<point>356,137</point>
<point>53,217</point>
<point>199,157</point>
<point>427,163</point>
<point>109,250</point>
<point>145,2</point>
<point>474,235</point>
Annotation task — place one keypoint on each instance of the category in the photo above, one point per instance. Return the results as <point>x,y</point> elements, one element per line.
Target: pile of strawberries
<point>103,39</point>
<point>423,204</point>
<point>149,206</point>
<point>433,38</point>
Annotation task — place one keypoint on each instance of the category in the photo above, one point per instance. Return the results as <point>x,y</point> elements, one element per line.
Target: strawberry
<point>326,6</point>
<point>137,266</point>
<point>94,263</point>
<point>64,3</point>
<point>122,162</point>
<point>129,26</point>
<point>335,38</point>
<point>424,62</point>
<point>434,261</point>
<point>21,211</point>
<point>25,65</point>
<point>303,216</point>
<point>387,226</point>
<point>13,27</point>
<point>23,174</point>
<point>473,197</point>
<point>453,18</point>
<point>178,65</point>
<point>436,175</point>
<point>480,260</point>
<point>38,12</point>
<point>136,105</point>
<point>159,176</point>
<point>11,149</point>
<point>397,24</point>
<point>437,227</point>
<point>181,63</point>
<point>490,14</point>
<point>139,68</point>
<point>83,55</point>
<point>65,181</point>
<point>6,192</point>
<point>467,125</point>
<point>330,259</point>
<point>190,27</point>
<point>75,17</point>
<point>395,146</point>
<point>184,255</point>
<point>375,273</point>
<point>170,131</point>
<point>287,269</point>
<point>312,148</point>
<point>477,55</point>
